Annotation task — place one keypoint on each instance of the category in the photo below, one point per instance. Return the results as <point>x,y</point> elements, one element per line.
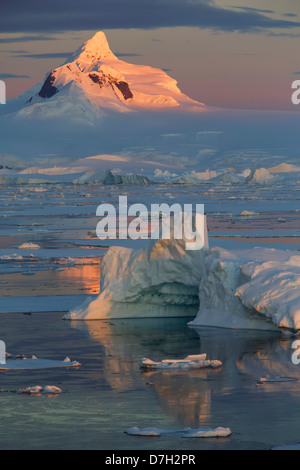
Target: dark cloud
<point>46,55</point>
<point>25,39</point>
<point>4,76</point>
<point>62,55</point>
<point>283,35</point>
<point>127,54</point>
<point>257,10</point>
<point>64,15</point>
<point>16,51</point>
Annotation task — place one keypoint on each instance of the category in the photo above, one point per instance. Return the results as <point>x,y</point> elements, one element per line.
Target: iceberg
<point>260,176</point>
<point>246,289</point>
<point>273,291</point>
<point>160,279</point>
<point>108,178</point>
<point>255,289</point>
<point>128,179</point>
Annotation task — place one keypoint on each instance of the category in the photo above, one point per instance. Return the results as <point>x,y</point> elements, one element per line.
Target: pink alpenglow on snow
<point>95,80</point>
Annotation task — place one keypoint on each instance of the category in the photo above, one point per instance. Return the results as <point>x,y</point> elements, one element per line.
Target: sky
<point>226,53</point>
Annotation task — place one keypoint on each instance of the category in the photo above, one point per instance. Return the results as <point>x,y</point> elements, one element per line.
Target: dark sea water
<point>110,393</point>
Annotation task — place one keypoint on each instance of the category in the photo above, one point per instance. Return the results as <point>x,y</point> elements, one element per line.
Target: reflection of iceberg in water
<point>272,363</point>
<point>189,397</point>
<point>125,342</point>
<point>185,396</point>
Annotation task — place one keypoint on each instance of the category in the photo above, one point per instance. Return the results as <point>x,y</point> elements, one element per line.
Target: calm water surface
<point>109,393</point>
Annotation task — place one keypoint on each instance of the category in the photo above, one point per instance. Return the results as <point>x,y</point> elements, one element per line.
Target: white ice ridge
<point>38,390</point>
<point>257,288</point>
<point>187,432</point>
<point>254,289</point>
<point>198,361</point>
<point>35,363</point>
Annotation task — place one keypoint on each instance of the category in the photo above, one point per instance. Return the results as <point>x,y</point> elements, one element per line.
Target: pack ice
<point>257,288</point>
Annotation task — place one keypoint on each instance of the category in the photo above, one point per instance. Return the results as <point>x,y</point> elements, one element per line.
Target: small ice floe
<point>248,214</point>
<point>148,432</point>
<point>206,433</point>
<point>187,433</point>
<point>52,390</point>
<point>31,390</point>
<point>37,390</point>
<point>29,246</point>
<point>35,363</point>
<point>13,257</point>
<point>264,380</point>
<point>84,261</point>
<point>197,361</point>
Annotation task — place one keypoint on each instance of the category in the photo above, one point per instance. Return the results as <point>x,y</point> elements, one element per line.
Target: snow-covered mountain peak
<point>94,82</point>
<point>93,50</point>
